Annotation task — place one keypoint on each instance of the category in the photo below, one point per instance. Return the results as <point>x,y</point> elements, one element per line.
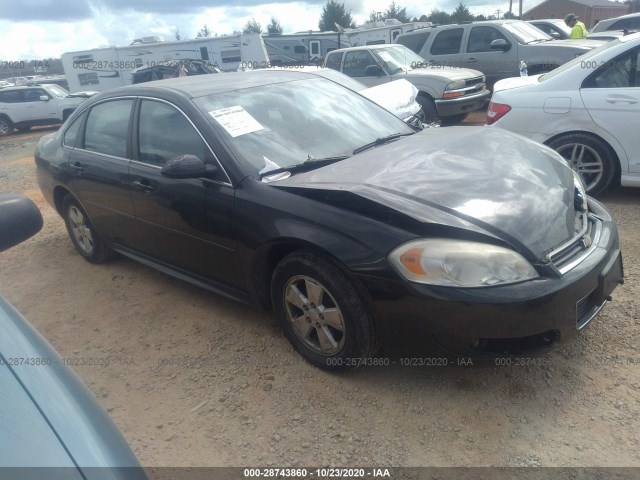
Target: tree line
<point>334,13</point>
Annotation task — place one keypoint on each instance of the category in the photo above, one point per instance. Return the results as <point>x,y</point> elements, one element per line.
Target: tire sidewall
<point>9,125</point>
<point>608,162</point>
<point>358,323</point>
<point>98,254</point>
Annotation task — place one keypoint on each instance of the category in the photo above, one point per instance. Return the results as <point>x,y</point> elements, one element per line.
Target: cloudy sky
<point>38,29</point>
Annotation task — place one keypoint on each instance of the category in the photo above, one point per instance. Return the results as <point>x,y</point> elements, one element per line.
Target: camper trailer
<point>386,31</point>
<point>104,68</point>
<point>311,47</point>
<point>302,47</point>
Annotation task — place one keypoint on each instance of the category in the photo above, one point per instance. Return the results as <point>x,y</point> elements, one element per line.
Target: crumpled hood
<point>483,179</point>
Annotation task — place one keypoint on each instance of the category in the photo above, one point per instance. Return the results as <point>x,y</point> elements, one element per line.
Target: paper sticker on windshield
<point>236,120</point>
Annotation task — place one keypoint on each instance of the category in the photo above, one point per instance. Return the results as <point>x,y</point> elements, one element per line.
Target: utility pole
<point>498,12</point>
<point>520,11</point>
<point>510,8</point>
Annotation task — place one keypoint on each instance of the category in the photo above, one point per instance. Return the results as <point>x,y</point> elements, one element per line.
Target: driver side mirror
<point>44,98</point>
<point>500,44</point>
<point>373,71</point>
<point>187,166</point>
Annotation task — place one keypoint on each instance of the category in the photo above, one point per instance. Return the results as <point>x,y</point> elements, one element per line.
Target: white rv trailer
<point>303,47</point>
<point>104,68</point>
<point>374,33</point>
<point>311,47</point>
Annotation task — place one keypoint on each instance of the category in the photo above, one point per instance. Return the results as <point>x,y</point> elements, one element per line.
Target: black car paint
<point>228,236</point>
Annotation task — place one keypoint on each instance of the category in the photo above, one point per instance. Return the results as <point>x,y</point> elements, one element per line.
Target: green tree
<point>392,11</point>
<point>461,14</point>
<point>439,17</point>
<point>252,26</point>
<point>204,32</point>
<point>274,26</point>
<point>334,12</point>
<point>480,18</point>
<point>423,18</point>
<point>509,16</point>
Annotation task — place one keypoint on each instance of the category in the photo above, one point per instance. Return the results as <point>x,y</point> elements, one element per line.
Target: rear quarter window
<point>414,41</point>
<point>334,60</point>
<point>447,42</point>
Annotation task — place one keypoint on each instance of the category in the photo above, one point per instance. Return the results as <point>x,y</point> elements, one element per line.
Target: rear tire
<point>321,312</point>
<point>590,157</point>
<point>6,127</point>
<point>87,241</point>
<point>428,108</point>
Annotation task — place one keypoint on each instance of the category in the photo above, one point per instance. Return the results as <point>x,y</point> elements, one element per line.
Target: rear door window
<point>107,128</point>
<point>334,60</point>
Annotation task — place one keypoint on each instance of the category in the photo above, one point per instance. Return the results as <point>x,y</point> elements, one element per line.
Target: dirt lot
<point>194,379</point>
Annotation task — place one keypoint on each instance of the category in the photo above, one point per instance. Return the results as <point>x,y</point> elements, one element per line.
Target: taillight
<point>496,111</point>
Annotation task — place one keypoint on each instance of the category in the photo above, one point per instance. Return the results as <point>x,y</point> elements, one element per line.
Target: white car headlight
<point>457,85</point>
<point>460,263</point>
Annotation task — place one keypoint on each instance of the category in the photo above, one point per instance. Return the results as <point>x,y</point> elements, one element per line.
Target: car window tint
<point>414,41</point>
<point>480,39</point>
<point>628,23</point>
<point>12,96</point>
<point>356,63</point>
<point>334,60</point>
<point>165,133</point>
<point>107,128</point>
<point>71,133</point>
<point>447,42</point>
<point>621,72</point>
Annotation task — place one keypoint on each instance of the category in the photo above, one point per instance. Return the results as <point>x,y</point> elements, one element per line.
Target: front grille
<point>473,81</point>
<point>567,256</point>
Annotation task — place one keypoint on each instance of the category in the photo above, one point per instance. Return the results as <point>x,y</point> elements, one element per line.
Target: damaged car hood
<point>485,180</point>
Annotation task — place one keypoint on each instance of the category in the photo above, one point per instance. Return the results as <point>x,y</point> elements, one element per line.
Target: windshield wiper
<point>309,164</point>
<point>381,141</point>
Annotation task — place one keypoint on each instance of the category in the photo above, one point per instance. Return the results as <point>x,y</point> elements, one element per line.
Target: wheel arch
<point>268,257</point>
<point>59,192</point>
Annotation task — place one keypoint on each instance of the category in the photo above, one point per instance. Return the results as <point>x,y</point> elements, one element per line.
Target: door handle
<point>76,167</point>
<point>621,99</point>
<point>145,187</point>
<point>471,60</point>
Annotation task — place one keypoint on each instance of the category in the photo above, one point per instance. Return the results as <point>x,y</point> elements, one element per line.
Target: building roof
<point>588,3</point>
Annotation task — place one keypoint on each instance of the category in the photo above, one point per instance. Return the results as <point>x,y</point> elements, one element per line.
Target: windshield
<point>284,124</point>
<point>58,91</point>
<point>398,58</point>
<point>526,33</point>
<point>580,59</point>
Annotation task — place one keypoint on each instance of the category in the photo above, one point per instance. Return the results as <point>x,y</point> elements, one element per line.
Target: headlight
<point>460,263</point>
<point>580,200</point>
<point>457,85</point>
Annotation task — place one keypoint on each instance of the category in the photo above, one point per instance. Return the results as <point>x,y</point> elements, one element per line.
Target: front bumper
<point>560,304</point>
<point>460,105</point>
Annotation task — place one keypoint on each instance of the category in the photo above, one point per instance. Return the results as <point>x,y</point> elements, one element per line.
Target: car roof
<point>200,85</point>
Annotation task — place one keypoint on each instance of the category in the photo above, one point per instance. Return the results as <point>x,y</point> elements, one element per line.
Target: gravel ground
<point>194,379</point>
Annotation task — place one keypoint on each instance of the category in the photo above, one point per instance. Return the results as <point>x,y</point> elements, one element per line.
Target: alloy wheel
<point>81,232</point>
<point>584,160</point>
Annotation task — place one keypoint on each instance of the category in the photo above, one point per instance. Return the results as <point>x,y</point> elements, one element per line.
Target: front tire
<point>321,312</point>
<point>428,108</point>
<point>6,127</point>
<point>590,157</point>
<point>85,239</point>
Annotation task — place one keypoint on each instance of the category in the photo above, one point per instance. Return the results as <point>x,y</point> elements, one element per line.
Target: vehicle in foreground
<point>294,193</point>
<point>554,27</point>
<point>446,93</point>
<point>52,426</point>
<point>587,111</point>
<point>624,22</point>
<point>495,47</point>
<point>28,106</point>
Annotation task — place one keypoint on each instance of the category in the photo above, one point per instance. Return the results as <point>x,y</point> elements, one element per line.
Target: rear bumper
<point>466,104</point>
<point>561,304</point>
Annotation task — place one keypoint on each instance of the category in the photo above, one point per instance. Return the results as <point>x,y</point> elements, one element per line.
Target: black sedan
<point>292,192</point>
